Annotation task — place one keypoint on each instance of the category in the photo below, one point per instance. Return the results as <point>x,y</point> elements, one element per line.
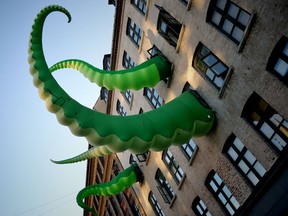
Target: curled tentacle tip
<point>54,161</point>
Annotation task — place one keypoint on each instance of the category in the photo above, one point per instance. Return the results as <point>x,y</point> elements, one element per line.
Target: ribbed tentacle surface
<point>147,74</point>
<point>118,184</point>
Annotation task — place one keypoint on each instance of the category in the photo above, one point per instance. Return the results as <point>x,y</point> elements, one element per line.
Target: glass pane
<point>285,51</point>
<point>230,210</point>
<point>233,10</point>
<point>222,198</point>
<point>284,128</point>
<point>163,27</point>
<point>213,185</point>
<point>218,179</point>
<point>278,142</point>
<point>239,145</point>
<point>201,65</point>
<point>219,68</point>
<point>266,130</point>
<point>249,157</point>
<point>210,60</point>
<point>204,51</point>
<point>199,210</point>
<point>244,17</point>
<point>281,67</point>
<point>202,204</point>
<point>253,178</point>
<point>227,26</point>
<point>221,4</point>
<point>210,74</point>
<point>276,119</point>
<point>232,154</point>
<point>216,17</point>
<point>219,81</point>
<point>234,202</point>
<point>227,191</point>
<point>243,166</point>
<point>192,144</point>
<point>237,34</point>
<point>260,169</point>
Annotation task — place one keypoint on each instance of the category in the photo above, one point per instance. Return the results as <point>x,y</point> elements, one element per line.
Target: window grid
<point>272,126</point>
<point>244,160</point>
<point>188,149</point>
<point>128,96</point>
<point>127,61</point>
<point>173,166</point>
<point>278,61</point>
<point>210,66</point>
<point>164,187</point>
<point>120,109</point>
<point>140,5</point>
<point>185,2</point>
<point>155,205</point>
<point>222,193</point>
<point>134,32</point>
<point>229,18</point>
<point>168,27</point>
<point>104,94</point>
<point>153,97</point>
<point>199,207</point>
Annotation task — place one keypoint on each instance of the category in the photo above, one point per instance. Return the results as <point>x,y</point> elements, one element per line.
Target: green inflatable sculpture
<point>172,124</point>
<point>118,184</point>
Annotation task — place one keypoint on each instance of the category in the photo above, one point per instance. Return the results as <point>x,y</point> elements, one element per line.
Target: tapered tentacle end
<point>97,151</point>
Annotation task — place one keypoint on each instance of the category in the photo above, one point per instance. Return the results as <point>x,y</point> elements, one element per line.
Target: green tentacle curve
<point>174,123</point>
<point>147,74</point>
<point>118,184</point>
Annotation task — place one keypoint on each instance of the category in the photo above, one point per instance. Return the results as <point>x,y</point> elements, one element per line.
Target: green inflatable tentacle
<point>174,123</point>
<point>118,184</point>
<point>147,74</point>
<point>96,151</point>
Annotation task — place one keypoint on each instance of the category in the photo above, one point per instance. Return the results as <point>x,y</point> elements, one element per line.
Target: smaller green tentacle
<point>95,151</point>
<point>118,184</point>
<point>147,74</point>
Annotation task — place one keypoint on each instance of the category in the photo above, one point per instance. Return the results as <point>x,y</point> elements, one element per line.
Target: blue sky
<point>30,135</point>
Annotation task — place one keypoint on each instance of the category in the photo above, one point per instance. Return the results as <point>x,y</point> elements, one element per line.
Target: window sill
<point>180,38</point>
<point>246,33</point>
<point>147,9</point>
<point>193,155</point>
<point>227,78</point>
<point>172,202</point>
<point>148,157</point>
<point>181,182</point>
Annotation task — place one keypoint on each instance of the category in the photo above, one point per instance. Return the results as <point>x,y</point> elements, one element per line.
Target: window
<point>154,51</point>
<point>140,5</point>
<point>164,187</point>
<point>199,207</point>
<point>229,19</point>
<point>222,193</point>
<point>244,160</point>
<point>120,109</point>
<point>173,167</point>
<point>210,66</point>
<point>272,126</point>
<point>189,149</point>
<point>278,61</point>
<point>168,27</point>
<point>134,32</point>
<point>127,62</point>
<point>104,94</point>
<point>153,97</point>
<point>106,62</point>
<point>140,157</point>
<point>185,2</point>
<point>155,205</point>
<point>128,95</point>
<point>141,111</point>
